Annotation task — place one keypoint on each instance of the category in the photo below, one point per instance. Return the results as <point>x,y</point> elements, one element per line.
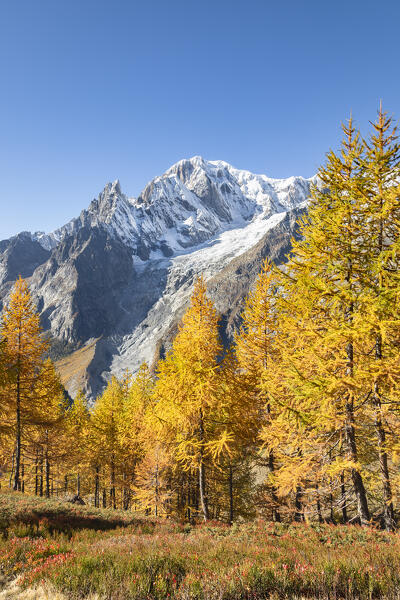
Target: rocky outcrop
<point>79,288</point>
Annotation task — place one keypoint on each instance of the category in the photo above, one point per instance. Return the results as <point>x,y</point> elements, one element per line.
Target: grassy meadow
<point>79,552</point>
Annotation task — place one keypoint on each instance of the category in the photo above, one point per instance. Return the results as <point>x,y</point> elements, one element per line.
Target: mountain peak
<point>112,188</point>
<point>123,269</point>
<point>193,201</point>
<point>116,186</point>
<point>185,167</point>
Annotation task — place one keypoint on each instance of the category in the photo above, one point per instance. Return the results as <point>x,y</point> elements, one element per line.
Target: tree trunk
<point>343,498</point>
<point>319,511</point>
<point>112,483</point>
<point>331,511</point>
<point>275,512</point>
<point>156,499</point>
<point>125,493</point>
<point>41,474</point>
<point>298,514</point>
<point>230,494</point>
<point>127,498</point>
<point>202,475</point>
<point>195,495</point>
<point>189,498</point>
<point>18,433</point>
<point>358,484</point>
<point>78,484</point>
<point>47,474</point>
<point>388,511</point>
<point>178,499</point>
<point>37,472</point>
<point>47,466</point>
<point>97,488</point>
<point>362,504</point>
<point>359,489</point>
<point>12,470</point>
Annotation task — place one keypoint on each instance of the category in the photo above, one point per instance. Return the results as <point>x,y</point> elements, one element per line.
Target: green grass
<point>158,560</point>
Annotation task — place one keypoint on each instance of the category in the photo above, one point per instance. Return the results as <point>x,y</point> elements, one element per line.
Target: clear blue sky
<point>94,90</point>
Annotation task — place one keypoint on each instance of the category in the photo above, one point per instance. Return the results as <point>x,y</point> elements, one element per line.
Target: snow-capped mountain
<point>118,277</point>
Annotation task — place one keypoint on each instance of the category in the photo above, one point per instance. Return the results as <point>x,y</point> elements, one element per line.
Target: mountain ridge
<point>121,273</point>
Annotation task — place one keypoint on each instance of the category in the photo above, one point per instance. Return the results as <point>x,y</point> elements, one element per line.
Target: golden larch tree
<point>24,349</point>
<point>187,389</point>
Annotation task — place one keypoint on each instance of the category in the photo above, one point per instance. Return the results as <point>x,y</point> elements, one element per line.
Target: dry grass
<point>73,368</point>
<point>12,591</point>
<point>22,515</point>
<point>53,550</point>
<point>210,562</point>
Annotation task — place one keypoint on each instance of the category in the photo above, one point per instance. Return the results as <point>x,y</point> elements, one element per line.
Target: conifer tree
<point>48,424</point>
<point>134,427</point>
<point>240,417</point>
<point>381,285</point>
<point>104,433</point>
<point>254,346</point>
<point>187,389</point>
<point>77,425</point>
<point>153,492</point>
<point>321,316</point>
<point>24,349</point>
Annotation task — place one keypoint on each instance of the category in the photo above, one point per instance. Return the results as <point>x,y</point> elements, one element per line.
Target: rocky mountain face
<point>117,279</point>
<point>20,255</point>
